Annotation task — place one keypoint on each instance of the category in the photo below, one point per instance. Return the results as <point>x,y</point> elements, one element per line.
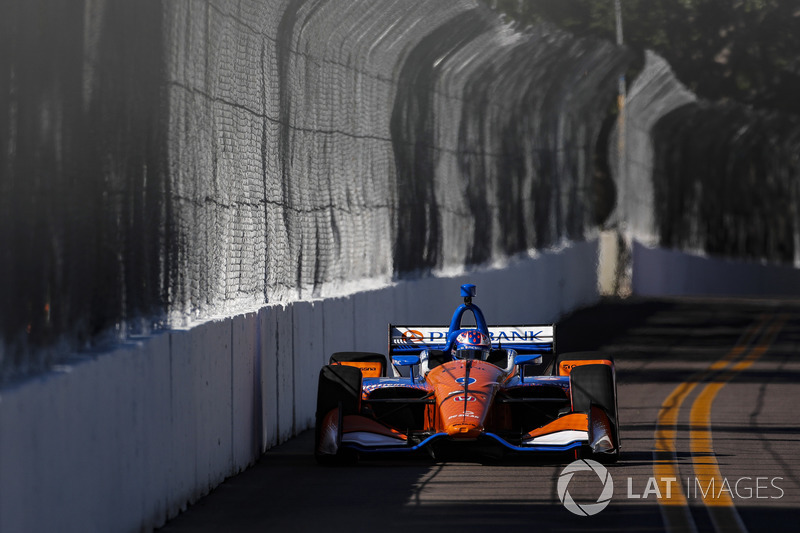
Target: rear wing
<point>411,340</point>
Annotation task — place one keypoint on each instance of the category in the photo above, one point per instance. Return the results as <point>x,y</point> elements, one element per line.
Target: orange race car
<point>467,390</point>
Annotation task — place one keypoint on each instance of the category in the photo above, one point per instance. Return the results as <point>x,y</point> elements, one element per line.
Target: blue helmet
<point>471,344</point>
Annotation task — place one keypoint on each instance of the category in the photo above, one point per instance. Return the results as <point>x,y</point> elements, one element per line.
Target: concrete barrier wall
<point>659,272</point>
<point>94,445</point>
<point>122,440</point>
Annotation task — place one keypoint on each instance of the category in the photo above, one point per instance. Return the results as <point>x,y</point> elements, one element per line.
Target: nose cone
<point>464,431</point>
<point>463,399</point>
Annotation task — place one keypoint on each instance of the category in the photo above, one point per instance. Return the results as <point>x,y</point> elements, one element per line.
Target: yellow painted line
<point>673,504</point>
<point>710,484</point>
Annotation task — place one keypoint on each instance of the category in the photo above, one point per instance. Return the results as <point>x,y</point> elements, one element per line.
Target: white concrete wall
<point>658,272</point>
<point>120,441</point>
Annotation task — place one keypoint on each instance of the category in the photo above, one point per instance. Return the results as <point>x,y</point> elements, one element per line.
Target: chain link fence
<point>708,178</point>
<point>367,140</point>
<point>164,162</point>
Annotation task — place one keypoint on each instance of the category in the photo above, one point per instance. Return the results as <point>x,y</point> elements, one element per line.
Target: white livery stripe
<point>560,438</point>
<point>365,438</point>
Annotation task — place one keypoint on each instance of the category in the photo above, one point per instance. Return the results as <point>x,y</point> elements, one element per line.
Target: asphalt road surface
<point>709,396</point>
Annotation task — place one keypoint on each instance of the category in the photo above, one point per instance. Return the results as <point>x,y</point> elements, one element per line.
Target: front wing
<point>365,435</point>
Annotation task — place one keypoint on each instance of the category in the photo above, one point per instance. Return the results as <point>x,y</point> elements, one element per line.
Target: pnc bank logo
<point>604,481</point>
<point>413,335</point>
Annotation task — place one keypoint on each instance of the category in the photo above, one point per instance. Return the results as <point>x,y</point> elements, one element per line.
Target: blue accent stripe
<point>415,349</point>
<point>539,448</point>
<point>505,443</point>
<point>422,444</point>
<point>527,348</point>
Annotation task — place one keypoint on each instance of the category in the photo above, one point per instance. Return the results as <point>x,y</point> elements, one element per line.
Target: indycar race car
<point>477,389</point>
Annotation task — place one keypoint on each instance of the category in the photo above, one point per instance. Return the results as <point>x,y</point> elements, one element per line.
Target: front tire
<point>339,387</point>
<point>593,386</point>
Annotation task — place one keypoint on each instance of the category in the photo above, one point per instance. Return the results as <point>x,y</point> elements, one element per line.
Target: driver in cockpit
<point>471,344</point>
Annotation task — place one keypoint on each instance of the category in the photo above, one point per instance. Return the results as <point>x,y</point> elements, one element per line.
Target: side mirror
<point>405,360</point>
<point>528,359</point>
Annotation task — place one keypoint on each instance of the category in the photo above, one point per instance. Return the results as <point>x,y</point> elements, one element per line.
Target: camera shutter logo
<point>585,509</point>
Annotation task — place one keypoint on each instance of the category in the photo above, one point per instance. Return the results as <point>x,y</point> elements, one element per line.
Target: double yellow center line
<point>673,503</point>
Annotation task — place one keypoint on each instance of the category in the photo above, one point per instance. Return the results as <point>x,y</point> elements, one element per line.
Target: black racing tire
<point>578,356</point>
<point>339,387</point>
<point>360,357</point>
<point>595,385</point>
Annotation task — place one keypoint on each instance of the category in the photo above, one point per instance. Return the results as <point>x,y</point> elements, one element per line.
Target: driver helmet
<point>471,344</point>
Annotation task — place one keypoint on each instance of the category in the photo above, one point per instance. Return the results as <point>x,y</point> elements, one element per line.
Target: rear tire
<point>360,357</point>
<point>594,385</point>
<point>339,387</point>
<point>577,356</point>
